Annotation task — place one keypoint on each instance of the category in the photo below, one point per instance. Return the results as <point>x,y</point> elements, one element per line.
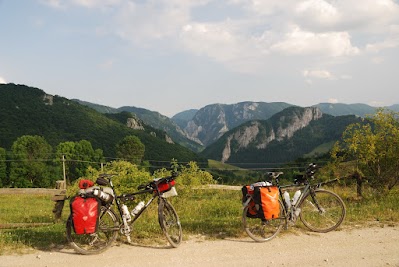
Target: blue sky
<point>173,55</point>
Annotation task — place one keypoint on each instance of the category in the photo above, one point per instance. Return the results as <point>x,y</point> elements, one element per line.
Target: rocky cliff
<point>213,121</point>
<point>257,135</point>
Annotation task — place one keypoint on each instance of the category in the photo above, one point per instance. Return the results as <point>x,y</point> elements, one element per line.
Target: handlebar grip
<point>141,187</point>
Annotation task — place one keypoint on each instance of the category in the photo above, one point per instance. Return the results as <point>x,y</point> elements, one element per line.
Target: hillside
<point>211,122</point>
<point>284,137</point>
<point>159,121</point>
<point>338,109</point>
<point>30,111</point>
<point>153,119</point>
<point>182,118</point>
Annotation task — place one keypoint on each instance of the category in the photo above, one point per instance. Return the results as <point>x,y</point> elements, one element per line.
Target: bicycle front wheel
<point>96,242</point>
<point>323,212</point>
<point>262,230</point>
<point>169,222</point>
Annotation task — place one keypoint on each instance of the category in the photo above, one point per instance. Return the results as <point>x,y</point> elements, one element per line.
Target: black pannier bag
<point>252,208</point>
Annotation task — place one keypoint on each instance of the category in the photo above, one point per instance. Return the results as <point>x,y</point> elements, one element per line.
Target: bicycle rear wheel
<point>262,230</point>
<point>96,242</point>
<point>169,222</point>
<point>322,213</point>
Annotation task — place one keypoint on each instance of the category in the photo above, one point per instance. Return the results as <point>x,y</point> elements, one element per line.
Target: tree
<point>29,167</point>
<point>130,149</point>
<point>374,145</point>
<point>3,167</point>
<point>79,156</point>
<point>127,176</point>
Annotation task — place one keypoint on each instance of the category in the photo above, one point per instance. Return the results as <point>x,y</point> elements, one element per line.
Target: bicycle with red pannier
<point>93,224</point>
<point>268,207</point>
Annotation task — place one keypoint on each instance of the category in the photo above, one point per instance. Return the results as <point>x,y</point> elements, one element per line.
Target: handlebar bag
<point>267,198</point>
<point>84,183</point>
<point>166,186</point>
<point>253,209</point>
<point>85,214</point>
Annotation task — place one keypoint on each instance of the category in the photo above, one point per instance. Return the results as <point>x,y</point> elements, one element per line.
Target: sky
<point>173,55</point>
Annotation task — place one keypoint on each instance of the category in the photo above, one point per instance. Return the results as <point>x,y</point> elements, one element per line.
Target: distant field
<point>320,150</point>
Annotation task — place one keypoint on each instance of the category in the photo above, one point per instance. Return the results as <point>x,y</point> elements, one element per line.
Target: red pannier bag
<point>268,199</point>
<point>165,186</point>
<point>252,210</point>
<point>85,214</point>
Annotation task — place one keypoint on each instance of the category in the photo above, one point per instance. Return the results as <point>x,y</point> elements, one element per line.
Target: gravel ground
<point>371,246</point>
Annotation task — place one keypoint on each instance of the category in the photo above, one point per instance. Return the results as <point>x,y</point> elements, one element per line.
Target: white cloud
<point>2,80</point>
<point>142,23</point>
<point>332,100</point>
<point>318,11</point>
<point>330,44</point>
<point>388,43</point>
<point>320,74</point>
<point>258,33</point>
<point>310,75</point>
<point>96,3</point>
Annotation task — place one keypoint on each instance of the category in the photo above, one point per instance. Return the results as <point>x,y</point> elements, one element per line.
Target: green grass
<point>223,166</point>
<point>209,213</point>
<point>320,150</point>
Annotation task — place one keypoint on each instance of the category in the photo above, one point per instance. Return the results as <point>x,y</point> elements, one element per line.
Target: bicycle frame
<point>307,188</point>
<point>124,227</point>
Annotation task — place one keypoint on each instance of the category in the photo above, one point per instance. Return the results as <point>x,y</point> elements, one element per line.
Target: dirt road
<point>375,246</point>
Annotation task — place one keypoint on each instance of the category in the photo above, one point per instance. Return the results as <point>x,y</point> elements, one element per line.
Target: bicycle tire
<point>263,230</point>
<point>325,215</point>
<point>97,242</point>
<point>170,223</point>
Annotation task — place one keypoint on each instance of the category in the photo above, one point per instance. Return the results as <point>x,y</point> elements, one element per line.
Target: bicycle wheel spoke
<point>170,224</point>
<point>324,215</point>
<point>262,230</point>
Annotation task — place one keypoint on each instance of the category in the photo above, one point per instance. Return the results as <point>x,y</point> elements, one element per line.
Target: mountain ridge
<point>284,137</point>
<point>31,111</point>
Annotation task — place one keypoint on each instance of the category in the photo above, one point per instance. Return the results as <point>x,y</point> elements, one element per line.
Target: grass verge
<point>208,213</point>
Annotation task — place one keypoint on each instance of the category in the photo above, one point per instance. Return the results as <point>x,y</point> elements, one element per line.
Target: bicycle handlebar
<point>274,175</point>
<point>153,184</point>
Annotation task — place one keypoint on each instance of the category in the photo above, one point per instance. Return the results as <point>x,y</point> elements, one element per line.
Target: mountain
<point>99,108</point>
<point>284,137</point>
<point>394,107</point>
<point>197,129</point>
<point>182,118</point>
<point>338,109</point>
<point>212,121</point>
<point>159,121</point>
<point>153,119</point>
<point>30,111</point>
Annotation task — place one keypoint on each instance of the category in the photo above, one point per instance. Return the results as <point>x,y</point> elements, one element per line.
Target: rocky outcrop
<point>48,99</point>
<point>296,122</point>
<point>134,123</point>
<point>259,135</point>
<point>213,121</point>
<point>168,139</point>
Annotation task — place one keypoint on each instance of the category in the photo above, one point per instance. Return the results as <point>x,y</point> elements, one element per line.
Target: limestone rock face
<point>256,134</point>
<point>134,123</point>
